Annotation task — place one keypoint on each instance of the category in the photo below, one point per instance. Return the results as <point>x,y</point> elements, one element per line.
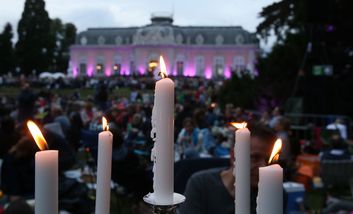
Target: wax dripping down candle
<point>163,136</point>
<point>46,174</point>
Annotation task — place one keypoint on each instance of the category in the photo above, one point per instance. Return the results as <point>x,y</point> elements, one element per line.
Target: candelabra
<point>164,209</point>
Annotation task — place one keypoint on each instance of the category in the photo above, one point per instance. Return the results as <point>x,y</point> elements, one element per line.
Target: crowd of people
<point>71,122</point>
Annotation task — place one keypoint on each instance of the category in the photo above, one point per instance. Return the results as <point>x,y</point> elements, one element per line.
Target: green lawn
<point>14,91</point>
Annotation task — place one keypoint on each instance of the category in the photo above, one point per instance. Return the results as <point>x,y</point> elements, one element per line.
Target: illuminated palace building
<point>211,52</point>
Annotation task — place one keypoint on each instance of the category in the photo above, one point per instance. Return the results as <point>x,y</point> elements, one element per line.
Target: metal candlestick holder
<point>164,209</point>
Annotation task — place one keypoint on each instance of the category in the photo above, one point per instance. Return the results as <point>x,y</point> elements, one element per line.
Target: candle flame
<point>37,135</point>
<point>163,69</point>
<point>239,125</point>
<point>275,151</point>
<point>105,125</point>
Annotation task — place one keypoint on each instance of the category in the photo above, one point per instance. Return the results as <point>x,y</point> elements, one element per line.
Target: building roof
<point>162,31</point>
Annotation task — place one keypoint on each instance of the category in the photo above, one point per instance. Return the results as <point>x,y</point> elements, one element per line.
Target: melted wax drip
<point>154,138</point>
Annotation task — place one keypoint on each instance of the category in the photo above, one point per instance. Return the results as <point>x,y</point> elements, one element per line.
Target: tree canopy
<point>43,43</point>
<point>63,35</point>
<point>34,46</point>
<point>7,61</point>
<point>309,33</point>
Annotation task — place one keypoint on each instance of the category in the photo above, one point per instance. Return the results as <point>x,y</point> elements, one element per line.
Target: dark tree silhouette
<point>7,60</point>
<point>34,47</point>
<point>309,33</point>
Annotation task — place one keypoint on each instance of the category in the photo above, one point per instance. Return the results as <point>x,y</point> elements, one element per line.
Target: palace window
<point>132,67</point>
<point>152,65</point>
<point>199,39</point>
<point>99,68</point>
<point>200,66</point>
<point>117,68</point>
<point>117,65</point>
<point>180,68</point>
<point>218,66</point>
<point>82,69</point>
<point>219,40</point>
<point>100,65</point>
<point>238,63</point>
<point>101,40</point>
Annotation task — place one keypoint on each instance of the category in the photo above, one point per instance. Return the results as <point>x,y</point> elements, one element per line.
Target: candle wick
<point>162,74</point>
<point>275,158</point>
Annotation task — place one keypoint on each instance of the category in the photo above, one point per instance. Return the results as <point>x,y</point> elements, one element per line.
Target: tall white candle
<point>104,169</point>
<point>242,169</point>
<point>163,135</point>
<point>270,193</point>
<point>46,182</point>
<point>46,174</point>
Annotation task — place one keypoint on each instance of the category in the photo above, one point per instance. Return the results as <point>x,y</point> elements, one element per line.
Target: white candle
<point>163,135</point>
<point>46,174</point>
<point>270,193</point>
<point>242,169</point>
<point>46,182</point>
<point>104,169</point>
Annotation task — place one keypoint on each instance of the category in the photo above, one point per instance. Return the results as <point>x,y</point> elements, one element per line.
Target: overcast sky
<point>122,13</point>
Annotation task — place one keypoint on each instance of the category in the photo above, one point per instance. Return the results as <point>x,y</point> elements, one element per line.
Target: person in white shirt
<point>338,125</point>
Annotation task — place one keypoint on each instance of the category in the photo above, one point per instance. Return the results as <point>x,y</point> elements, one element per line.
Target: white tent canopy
<point>48,75</point>
<point>58,75</point>
<point>45,75</point>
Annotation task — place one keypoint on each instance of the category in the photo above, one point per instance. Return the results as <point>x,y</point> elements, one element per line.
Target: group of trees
<point>308,33</point>
<point>42,45</point>
<point>7,55</point>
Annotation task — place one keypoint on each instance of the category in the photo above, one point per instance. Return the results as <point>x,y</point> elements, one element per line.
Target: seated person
<point>188,143</point>
<point>17,172</point>
<point>212,191</point>
<point>129,169</point>
<point>340,126</point>
<point>338,149</point>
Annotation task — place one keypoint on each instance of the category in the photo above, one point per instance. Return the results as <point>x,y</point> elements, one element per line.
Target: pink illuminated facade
<point>211,52</point>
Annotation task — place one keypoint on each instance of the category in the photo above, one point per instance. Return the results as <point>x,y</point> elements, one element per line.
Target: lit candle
<point>46,174</point>
<point>242,168</point>
<point>104,169</point>
<point>270,195</point>
<point>163,134</point>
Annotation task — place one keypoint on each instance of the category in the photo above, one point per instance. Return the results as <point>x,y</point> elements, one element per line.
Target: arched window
<point>101,40</point>
<point>152,65</point>
<point>99,68</point>
<point>179,65</point>
<point>100,65</point>
<point>83,40</point>
<point>200,65</point>
<point>118,40</point>
<point>179,39</point>
<point>218,66</point>
<point>239,39</point>
<point>82,66</point>
<point>117,65</point>
<point>238,63</point>
<point>199,39</point>
<point>219,40</point>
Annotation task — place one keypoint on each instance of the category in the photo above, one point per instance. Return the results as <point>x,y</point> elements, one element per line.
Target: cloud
<point>93,17</point>
<point>115,13</point>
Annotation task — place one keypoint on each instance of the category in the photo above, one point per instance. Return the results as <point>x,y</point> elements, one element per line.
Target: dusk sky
<point>119,13</point>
